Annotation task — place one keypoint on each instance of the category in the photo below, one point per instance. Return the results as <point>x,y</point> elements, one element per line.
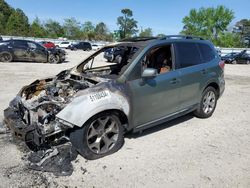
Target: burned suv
<point>93,104</point>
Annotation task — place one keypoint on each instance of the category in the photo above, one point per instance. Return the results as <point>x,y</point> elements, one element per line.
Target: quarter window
<point>206,52</point>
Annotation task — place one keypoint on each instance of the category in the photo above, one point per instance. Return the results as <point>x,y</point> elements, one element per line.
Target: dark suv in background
<point>25,50</point>
<point>96,102</point>
<point>86,46</point>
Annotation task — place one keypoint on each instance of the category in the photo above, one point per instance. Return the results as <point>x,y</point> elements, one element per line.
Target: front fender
<point>90,103</point>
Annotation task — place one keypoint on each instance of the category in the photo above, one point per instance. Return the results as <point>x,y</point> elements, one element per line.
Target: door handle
<point>204,71</point>
<point>174,81</point>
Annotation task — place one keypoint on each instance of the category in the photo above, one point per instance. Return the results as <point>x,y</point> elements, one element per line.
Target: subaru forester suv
<point>93,104</point>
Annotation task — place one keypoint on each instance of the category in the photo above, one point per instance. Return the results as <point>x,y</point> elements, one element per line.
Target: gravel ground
<point>186,152</point>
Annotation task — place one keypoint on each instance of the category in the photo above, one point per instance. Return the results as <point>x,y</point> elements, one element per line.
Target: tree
<point>18,24</point>
<point>229,40</point>
<point>37,29</point>
<point>207,22</point>
<point>88,30</point>
<point>5,12</point>
<point>243,27</point>
<point>72,28</point>
<point>53,29</point>
<point>146,32</point>
<point>161,35</point>
<point>127,24</point>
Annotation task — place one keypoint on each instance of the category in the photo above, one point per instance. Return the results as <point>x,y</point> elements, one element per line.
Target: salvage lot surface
<point>187,152</point>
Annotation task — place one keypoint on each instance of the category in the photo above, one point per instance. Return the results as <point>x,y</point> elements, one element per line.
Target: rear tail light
<point>222,64</point>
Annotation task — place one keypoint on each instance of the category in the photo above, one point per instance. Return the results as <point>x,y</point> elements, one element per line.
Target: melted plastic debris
<point>56,160</point>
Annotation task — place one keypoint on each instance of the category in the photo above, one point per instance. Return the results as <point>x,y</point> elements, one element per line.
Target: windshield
<point>109,60</point>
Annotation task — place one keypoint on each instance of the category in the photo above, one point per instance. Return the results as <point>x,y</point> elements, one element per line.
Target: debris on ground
<point>56,160</point>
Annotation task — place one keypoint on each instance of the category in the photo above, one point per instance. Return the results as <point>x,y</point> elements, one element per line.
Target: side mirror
<point>149,73</point>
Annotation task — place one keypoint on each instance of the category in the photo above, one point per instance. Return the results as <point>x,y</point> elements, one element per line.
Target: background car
<point>237,58</point>
<point>86,46</point>
<point>24,50</point>
<point>64,44</point>
<point>47,44</point>
<point>96,46</point>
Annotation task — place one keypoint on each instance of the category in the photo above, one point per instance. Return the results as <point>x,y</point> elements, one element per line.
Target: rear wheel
<point>5,57</point>
<point>248,62</point>
<point>207,104</point>
<point>100,136</point>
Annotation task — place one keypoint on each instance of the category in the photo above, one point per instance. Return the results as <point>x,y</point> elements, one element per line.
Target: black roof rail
<point>137,39</point>
<point>181,37</point>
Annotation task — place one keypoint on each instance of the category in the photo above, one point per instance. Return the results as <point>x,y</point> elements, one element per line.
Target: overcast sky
<point>161,15</point>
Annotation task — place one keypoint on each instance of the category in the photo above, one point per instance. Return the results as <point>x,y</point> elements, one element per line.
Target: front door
<point>155,98</point>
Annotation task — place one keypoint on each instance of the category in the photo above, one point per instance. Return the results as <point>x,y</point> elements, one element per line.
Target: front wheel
<point>54,58</point>
<point>5,57</point>
<point>100,136</point>
<point>207,104</point>
<point>234,62</point>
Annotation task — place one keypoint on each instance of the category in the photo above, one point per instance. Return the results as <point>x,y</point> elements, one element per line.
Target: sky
<point>163,16</point>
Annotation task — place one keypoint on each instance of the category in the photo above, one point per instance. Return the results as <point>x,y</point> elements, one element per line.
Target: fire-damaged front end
<point>32,113</point>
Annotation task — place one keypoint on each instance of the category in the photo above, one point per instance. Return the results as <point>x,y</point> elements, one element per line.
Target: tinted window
<point>206,52</point>
<point>20,43</point>
<point>187,54</point>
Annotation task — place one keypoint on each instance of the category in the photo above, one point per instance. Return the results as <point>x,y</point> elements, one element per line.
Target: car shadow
<point>165,125</point>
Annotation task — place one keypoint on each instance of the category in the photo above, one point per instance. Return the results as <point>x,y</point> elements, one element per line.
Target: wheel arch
<point>215,86</point>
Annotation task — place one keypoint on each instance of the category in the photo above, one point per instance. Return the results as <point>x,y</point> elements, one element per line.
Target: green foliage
<point>18,24</point>
<point>207,22</point>
<point>71,28</point>
<point>37,29</point>
<point>161,35</point>
<point>244,27</point>
<point>229,40</point>
<point>127,24</point>
<point>53,29</point>
<point>146,32</point>
<point>5,12</point>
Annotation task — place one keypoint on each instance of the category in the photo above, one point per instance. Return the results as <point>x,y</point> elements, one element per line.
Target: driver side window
<point>159,58</point>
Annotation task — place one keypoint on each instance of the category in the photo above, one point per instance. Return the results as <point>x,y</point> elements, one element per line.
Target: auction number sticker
<point>99,95</point>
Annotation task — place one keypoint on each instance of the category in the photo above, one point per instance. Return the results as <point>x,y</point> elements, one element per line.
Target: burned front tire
<point>207,104</point>
<point>6,57</point>
<point>100,136</point>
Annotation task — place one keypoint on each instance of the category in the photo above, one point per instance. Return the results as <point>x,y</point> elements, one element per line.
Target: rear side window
<point>206,52</point>
<point>187,54</point>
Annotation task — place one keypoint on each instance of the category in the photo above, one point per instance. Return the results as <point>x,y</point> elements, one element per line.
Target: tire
<point>89,140</point>
<point>6,57</point>
<point>234,62</point>
<point>207,106</point>
<point>54,59</point>
<point>248,62</point>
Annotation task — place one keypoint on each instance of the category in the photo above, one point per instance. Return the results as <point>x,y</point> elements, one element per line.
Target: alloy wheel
<point>102,134</point>
<point>209,102</point>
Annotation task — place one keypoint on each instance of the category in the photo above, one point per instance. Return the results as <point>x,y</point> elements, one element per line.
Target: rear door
<point>20,50</point>
<point>189,63</point>
<point>195,61</point>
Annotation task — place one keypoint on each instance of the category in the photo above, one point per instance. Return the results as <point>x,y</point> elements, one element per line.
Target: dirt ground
<point>186,152</point>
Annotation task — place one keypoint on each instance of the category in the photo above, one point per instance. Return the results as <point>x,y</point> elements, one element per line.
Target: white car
<point>64,44</point>
<point>96,46</point>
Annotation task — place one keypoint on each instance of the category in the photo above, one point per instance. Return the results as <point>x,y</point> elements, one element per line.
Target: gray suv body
<point>93,104</point>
